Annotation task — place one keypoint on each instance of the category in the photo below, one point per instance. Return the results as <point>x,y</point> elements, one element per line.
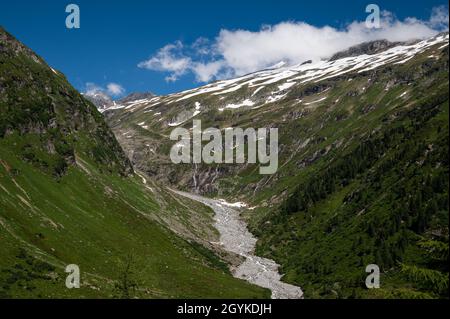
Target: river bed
<point>235,238</point>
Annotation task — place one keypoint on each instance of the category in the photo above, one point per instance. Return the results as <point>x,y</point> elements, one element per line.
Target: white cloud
<point>112,89</point>
<point>172,59</point>
<point>92,89</point>
<point>204,72</point>
<point>115,89</point>
<point>439,18</point>
<point>237,52</point>
<point>168,59</point>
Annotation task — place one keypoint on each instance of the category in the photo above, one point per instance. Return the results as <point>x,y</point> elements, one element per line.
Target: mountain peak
<point>100,99</point>
<point>371,47</point>
<point>136,96</point>
<point>103,101</point>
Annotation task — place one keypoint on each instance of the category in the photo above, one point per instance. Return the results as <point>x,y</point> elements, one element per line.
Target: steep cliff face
<point>37,101</point>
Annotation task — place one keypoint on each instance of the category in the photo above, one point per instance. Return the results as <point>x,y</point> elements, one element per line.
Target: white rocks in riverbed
<point>235,237</point>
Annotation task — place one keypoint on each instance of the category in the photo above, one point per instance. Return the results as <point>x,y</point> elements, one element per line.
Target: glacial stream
<point>234,237</point>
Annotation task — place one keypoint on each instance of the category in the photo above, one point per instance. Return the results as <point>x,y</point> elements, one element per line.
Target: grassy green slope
<point>381,198</point>
<point>379,203</point>
<point>96,220</point>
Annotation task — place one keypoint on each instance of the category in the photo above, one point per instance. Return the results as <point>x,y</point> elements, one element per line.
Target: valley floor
<point>235,238</point>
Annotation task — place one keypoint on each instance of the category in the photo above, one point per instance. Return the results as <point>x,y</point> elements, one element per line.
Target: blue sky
<point>115,36</point>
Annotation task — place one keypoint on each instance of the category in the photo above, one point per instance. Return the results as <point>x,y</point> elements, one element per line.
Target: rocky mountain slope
<point>100,99</point>
<point>363,159</point>
<point>276,97</point>
<point>135,97</point>
<point>68,195</point>
<point>103,101</point>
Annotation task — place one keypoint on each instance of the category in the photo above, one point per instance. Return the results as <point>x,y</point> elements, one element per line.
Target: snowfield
<point>281,79</point>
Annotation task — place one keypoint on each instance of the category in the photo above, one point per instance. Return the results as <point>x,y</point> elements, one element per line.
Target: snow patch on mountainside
<point>316,71</point>
<point>246,102</point>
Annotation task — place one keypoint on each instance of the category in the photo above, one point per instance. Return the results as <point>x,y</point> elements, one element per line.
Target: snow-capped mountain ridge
<point>271,85</point>
<point>317,71</point>
<point>104,102</point>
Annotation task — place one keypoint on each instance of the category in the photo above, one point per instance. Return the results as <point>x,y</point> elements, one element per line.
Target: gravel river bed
<point>235,238</point>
